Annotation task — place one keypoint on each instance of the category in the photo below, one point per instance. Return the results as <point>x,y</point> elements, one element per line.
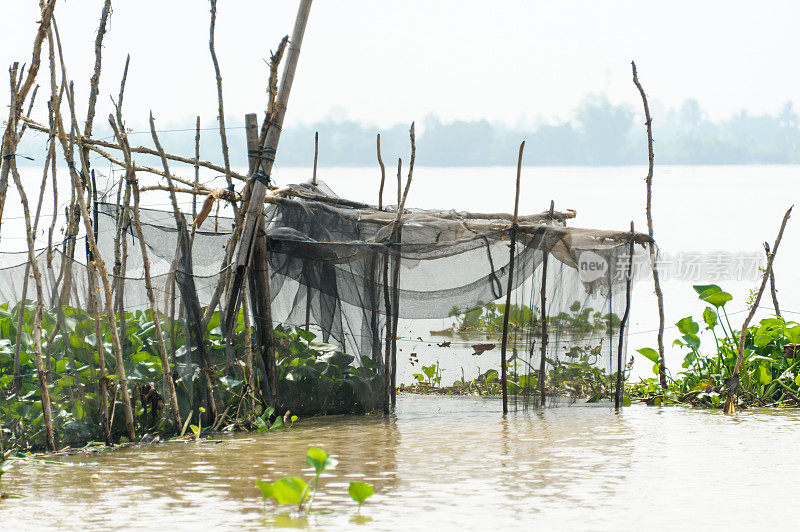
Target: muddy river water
<point>442,463</point>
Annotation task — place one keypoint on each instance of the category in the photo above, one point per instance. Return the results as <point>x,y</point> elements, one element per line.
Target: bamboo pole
<point>258,274</point>
<point>230,248</point>
<point>270,145</point>
<point>733,382</point>
<point>620,344</point>
<point>662,368</point>
<point>507,310</point>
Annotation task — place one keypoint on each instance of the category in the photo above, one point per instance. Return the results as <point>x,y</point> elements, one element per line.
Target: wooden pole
<point>507,310</point>
<point>258,272</point>
<point>316,156</point>
<point>543,361</point>
<point>662,368</point>
<point>620,344</point>
<point>383,174</point>
<point>733,387</point>
<point>259,183</point>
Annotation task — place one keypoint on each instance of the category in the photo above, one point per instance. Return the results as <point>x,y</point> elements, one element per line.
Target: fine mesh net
<point>359,302</point>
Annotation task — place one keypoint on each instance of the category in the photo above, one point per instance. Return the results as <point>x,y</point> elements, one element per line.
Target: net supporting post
<point>395,316</point>
<point>388,326</point>
<point>258,273</point>
<point>542,362</point>
<point>316,154</point>
<point>507,310</point>
<point>628,276</point>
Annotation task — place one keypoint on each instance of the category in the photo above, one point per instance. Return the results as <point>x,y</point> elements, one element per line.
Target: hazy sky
<point>385,62</point>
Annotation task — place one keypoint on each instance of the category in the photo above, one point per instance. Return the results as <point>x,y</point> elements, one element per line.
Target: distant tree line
<point>600,134</point>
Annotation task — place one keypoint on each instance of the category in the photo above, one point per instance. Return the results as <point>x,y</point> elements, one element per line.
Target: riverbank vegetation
<point>313,377</point>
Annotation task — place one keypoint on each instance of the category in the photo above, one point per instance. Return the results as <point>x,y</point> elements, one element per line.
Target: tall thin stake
<point>662,369</point>
<point>507,310</point>
<point>628,277</point>
<point>543,297</point>
<point>316,155</point>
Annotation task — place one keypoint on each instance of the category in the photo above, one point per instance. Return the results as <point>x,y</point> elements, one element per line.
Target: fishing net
<point>361,301</point>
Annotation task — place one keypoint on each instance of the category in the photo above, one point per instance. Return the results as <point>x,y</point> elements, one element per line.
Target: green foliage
<point>294,490</point>
<point>317,378</point>
<point>360,492</point>
<point>320,460</point>
<point>314,377</point>
<point>433,374</point>
<point>770,372</point>
<point>288,490</point>
<point>487,318</point>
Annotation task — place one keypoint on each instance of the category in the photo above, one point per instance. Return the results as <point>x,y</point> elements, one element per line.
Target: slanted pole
<point>628,276</point>
<point>543,361</point>
<point>259,181</point>
<point>506,312</point>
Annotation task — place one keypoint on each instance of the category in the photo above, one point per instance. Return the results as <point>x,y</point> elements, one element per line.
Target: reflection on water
<point>442,462</point>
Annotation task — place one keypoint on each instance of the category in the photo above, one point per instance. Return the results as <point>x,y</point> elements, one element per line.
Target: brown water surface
<point>446,463</point>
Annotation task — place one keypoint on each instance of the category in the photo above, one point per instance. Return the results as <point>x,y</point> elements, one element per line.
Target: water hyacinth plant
<point>296,491</point>
<point>770,372</point>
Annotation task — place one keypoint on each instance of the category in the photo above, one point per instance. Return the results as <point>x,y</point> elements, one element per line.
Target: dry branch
<point>662,372</point>
<point>733,386</point>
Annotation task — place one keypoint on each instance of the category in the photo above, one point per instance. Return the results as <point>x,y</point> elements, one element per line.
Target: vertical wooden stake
<point>543,361</point>
<point>316,154</point>
<point>507,310</point>
<point>620,344</point>
<point>260,298</point>
<point>383,175</point>
<point>662,371</point>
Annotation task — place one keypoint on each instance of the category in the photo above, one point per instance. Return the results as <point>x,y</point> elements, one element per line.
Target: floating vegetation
<point>296,491</point>
<point>770,371</point>
<point>487,318</point>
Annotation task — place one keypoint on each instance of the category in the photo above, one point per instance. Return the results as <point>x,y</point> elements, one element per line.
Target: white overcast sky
<point>385,62</point>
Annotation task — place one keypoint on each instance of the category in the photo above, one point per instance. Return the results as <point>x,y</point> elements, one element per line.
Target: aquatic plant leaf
<point>688,326</point>
<point>764,375</point>
<point>797,381</point>
<point>713,294</point>
<point>710,317</point>
<point>762,340</point>
<point>320,460</point>
<point>649,353</point>
<point>288,490</point>
<point>360,491</point>
<point>626,400</point>
<point>793,334</point>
